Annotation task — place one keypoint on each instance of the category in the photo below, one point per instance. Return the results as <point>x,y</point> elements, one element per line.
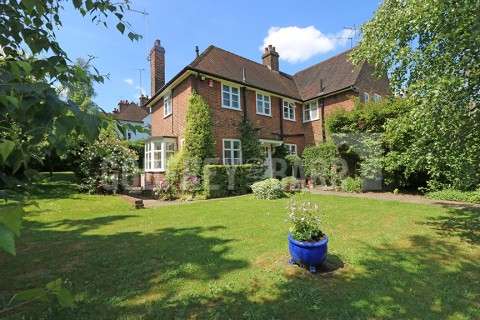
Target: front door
<point>267,162</point>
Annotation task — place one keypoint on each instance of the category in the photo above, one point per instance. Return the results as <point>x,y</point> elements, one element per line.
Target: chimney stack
<point>157,67</point>
<point>270,58</point>
<point>143,101</point>
<point>122,105</point>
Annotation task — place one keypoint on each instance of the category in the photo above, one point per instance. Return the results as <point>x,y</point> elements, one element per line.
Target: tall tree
<point>33,66</point>
<point>431,51</point>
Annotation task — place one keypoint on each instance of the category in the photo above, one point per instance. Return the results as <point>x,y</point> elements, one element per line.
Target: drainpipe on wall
<point>281,119</point>
<point>322,109</point>
<point>244,94</point>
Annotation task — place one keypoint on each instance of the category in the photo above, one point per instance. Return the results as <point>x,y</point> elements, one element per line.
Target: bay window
<point>158,151</point>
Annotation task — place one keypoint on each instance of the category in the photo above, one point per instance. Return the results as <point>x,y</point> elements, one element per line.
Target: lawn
<point>228,258</point>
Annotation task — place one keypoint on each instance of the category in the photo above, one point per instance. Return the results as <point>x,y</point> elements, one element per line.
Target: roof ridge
<point>324,61</point>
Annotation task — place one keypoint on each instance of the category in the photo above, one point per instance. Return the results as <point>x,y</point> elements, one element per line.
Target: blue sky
<point>304,33</point>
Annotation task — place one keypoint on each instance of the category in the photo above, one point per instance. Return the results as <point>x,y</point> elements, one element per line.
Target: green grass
<point>228,258</point>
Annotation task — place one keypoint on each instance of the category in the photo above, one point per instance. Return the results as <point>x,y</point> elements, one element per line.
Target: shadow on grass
<point>194,273</point>
<point>464,223</point>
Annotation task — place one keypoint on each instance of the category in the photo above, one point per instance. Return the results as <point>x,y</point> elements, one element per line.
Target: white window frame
<point>290,107</point>
<point>263,103</point>
<point>182,143</point>
<point>229,90</point>
<point>159,146</point>
<point>231,150</point>
<point>310,111</point>
<point>366,97</point>
<point>292,148</point>
<point>167,105</point>
<point>376,97</point>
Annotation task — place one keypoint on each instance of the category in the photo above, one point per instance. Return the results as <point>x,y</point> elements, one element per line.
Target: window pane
<point>226,144</point>
<point>157,146</point>
<point>236,145</point>
<point>234,91</point>
<point>236,154</point>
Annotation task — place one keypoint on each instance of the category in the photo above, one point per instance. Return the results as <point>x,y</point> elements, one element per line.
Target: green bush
<point>107,164</point>
<point>268,189</point>
<point>222,181</point>
<point>455,195</point>
<point>290,184</point>
<point>353,185</point>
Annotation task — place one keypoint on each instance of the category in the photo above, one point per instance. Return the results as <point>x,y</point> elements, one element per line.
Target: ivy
<point>249,140</point>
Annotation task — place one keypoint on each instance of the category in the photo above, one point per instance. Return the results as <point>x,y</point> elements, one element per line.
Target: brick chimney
<point>143,100</point>
<point>122,105</point>
<point>157,67</point>
<point>270,58</point>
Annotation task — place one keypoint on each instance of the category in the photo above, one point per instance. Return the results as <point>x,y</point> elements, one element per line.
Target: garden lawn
<point>228,258</point>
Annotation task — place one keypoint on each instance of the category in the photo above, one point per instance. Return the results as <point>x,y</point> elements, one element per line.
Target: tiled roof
<point>216,61</point>
<point>132,113</point>
<point>337,73</point>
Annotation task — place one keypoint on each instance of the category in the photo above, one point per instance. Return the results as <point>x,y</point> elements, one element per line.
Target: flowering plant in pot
<point>306,241</point>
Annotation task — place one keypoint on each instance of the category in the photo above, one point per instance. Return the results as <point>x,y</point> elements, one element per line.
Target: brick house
<point>135,115</point>
<point>285,108</point>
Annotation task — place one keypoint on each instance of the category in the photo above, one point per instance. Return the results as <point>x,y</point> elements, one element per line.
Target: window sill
<point>264,114</point>
<point>311,120</point>
<point>168,115</point>
<point>230,108</point>
<point>154,170</point>
<point>292,120</point>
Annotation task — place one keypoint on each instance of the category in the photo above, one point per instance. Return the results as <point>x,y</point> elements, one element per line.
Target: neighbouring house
<point>286,109</point>
<point>133,114</point>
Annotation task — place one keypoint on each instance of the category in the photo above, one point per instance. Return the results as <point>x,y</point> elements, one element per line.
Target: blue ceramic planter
<point>310,254</point>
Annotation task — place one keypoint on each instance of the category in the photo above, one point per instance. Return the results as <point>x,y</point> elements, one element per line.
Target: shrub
<point>183,174</point>
<point>199,141</point>
<point>222,181</point>
<point>353,185</point>
<point>267,189</point>
<point>106,164</point>
<point>455,195</point>
<point>290,184</point>
<point>323,164</point>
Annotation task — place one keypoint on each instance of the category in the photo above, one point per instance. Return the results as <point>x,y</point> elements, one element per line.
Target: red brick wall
<point>367,83</point>
<point>226,121</point>
<point>174,124</point>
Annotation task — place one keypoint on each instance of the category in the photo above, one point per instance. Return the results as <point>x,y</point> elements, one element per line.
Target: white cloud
<point>296,44</point>
<point>128,81</point>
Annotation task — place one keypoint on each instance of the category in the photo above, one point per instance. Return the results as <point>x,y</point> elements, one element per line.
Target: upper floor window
<point>310,111</point>
<point>289,110</point>
<point>232,153</point>
<point>230,97</point>
<point>291,148</point>
<point>366,97</point>
<point>168,105</point>
<point>376,97</point>
<point>263,105</point>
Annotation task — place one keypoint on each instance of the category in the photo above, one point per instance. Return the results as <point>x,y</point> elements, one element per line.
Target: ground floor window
<point>291,148</point>
<point>232,153</point>
<point>157,153</point>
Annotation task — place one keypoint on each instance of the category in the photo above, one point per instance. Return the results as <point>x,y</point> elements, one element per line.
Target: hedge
<point>224,180</point>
